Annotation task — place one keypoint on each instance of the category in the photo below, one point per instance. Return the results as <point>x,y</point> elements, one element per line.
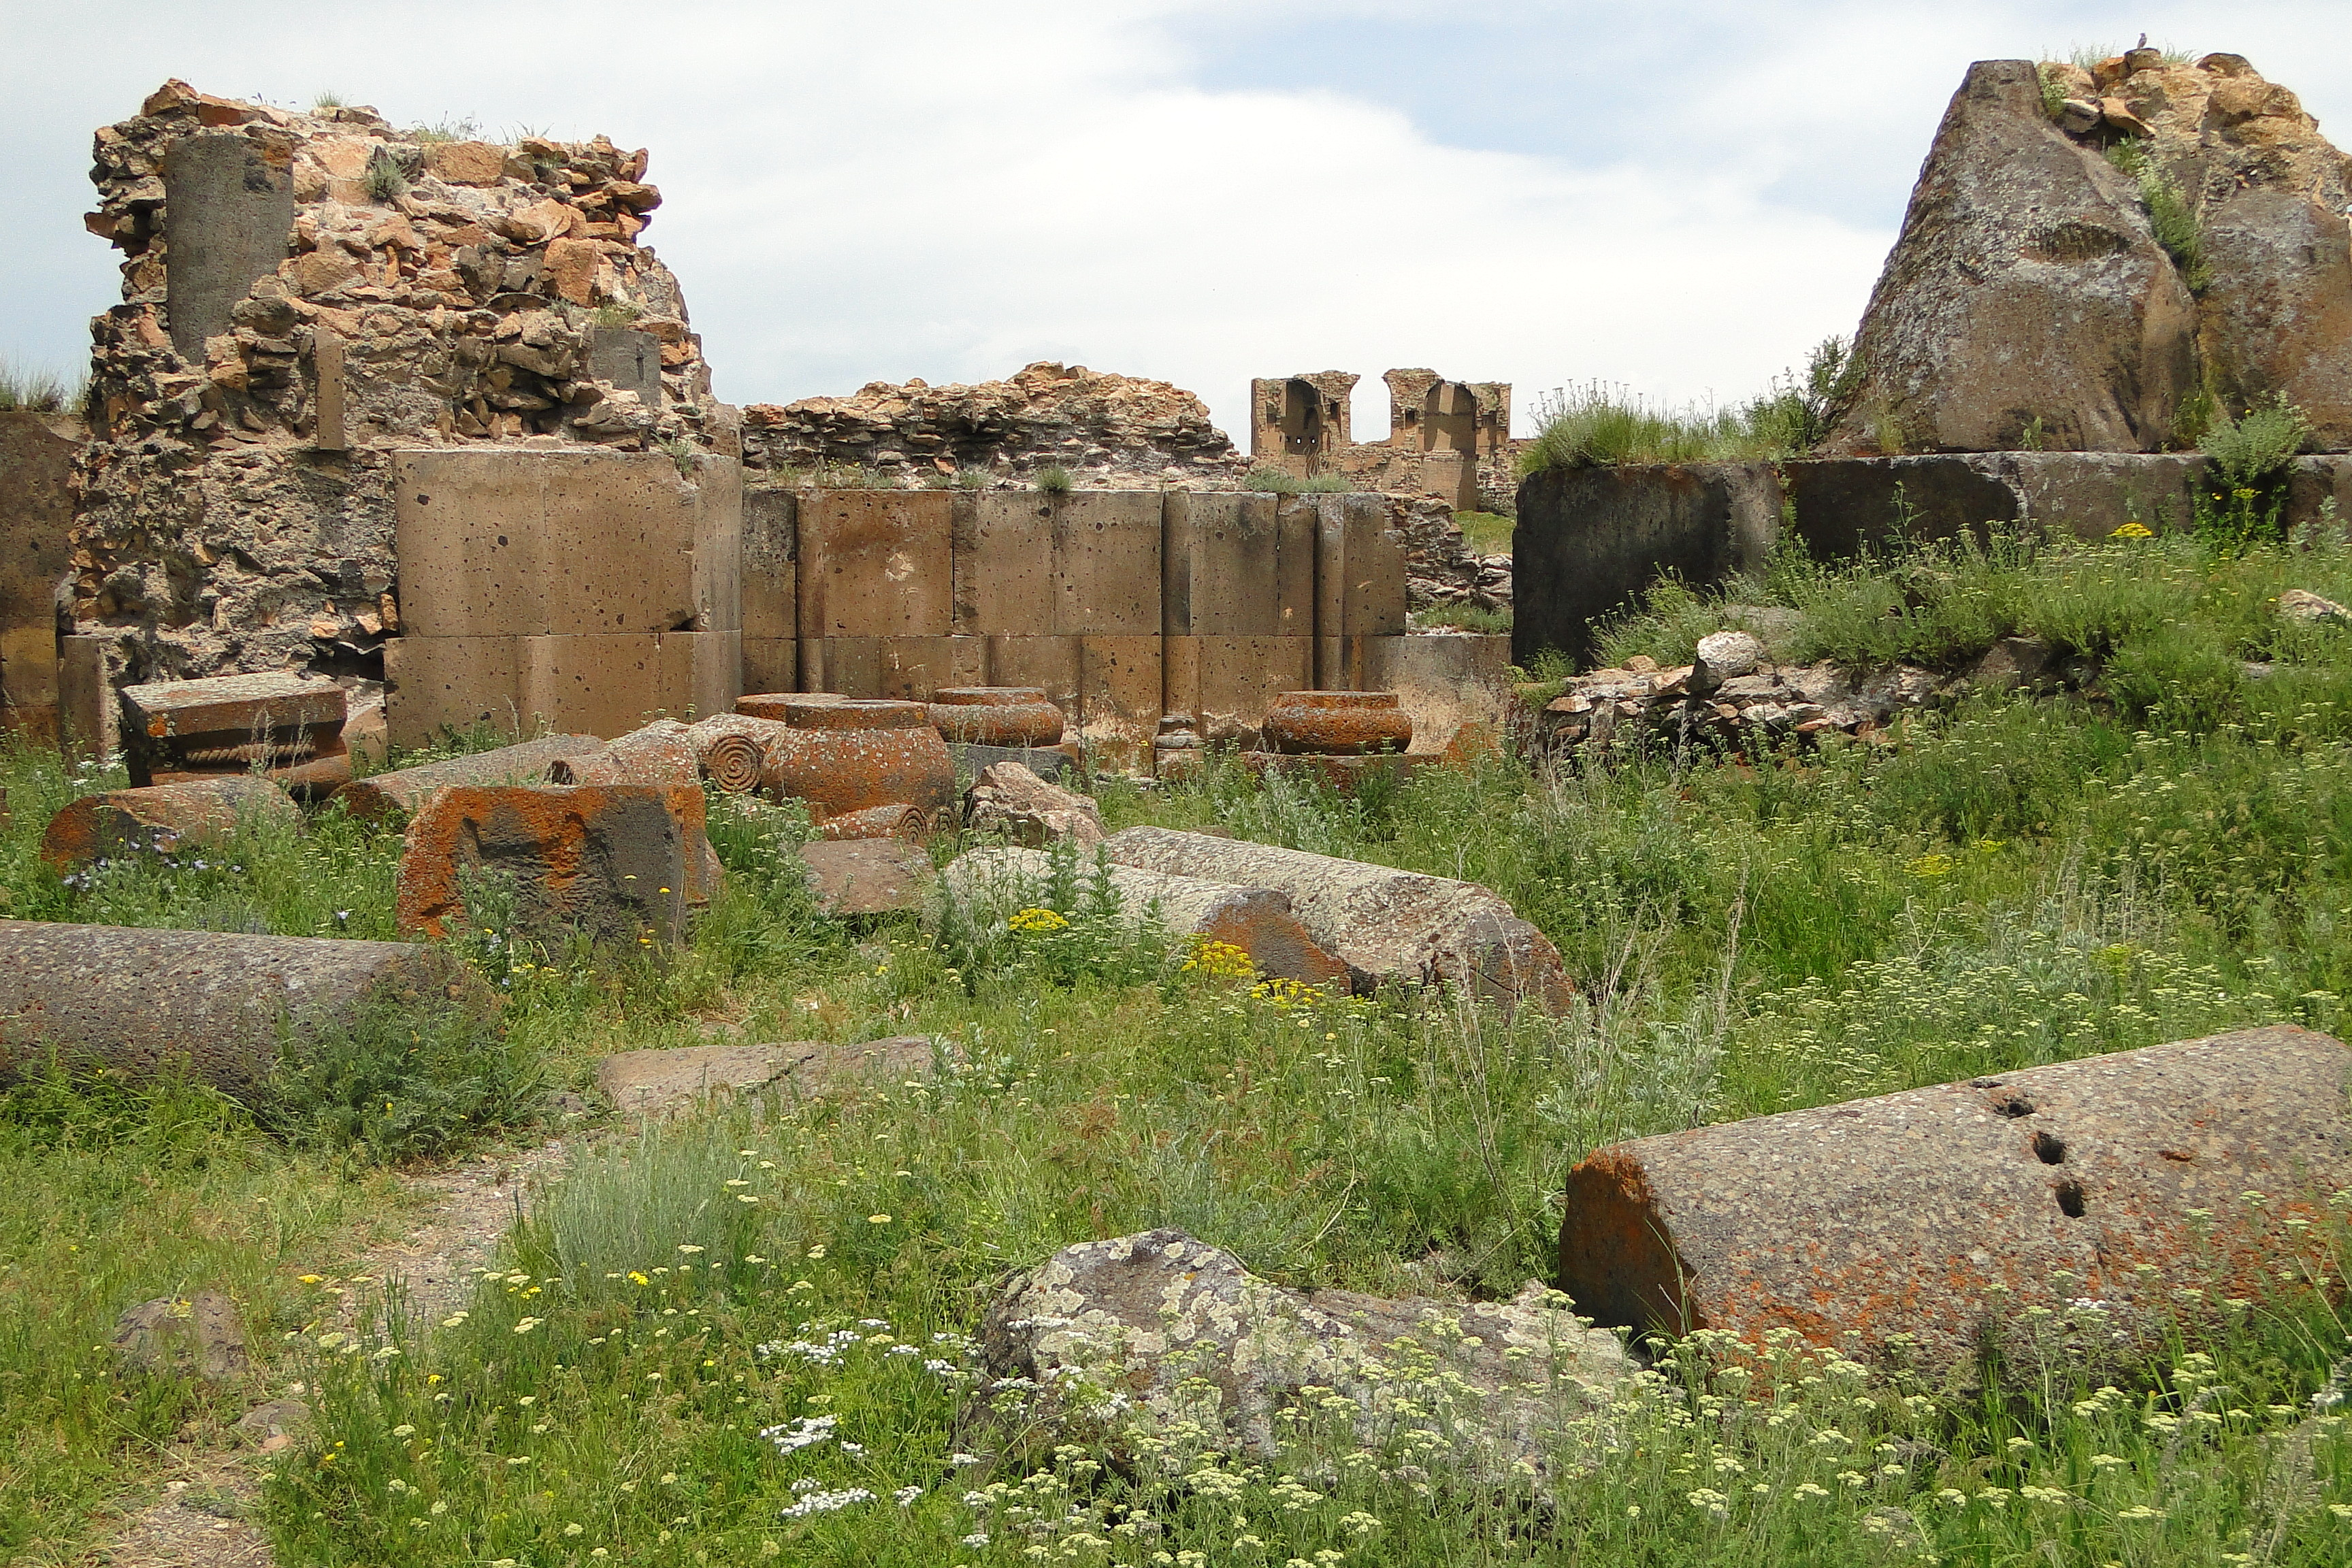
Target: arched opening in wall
<point>1449,419</point>
<point>1302,416</point>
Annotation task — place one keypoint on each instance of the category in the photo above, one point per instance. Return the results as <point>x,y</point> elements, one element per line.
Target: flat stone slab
<point>653,1083</point>
<point>868,875</point>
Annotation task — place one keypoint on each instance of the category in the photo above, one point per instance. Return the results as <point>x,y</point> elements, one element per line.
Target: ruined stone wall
<point>304,293</point>
<point>1106,431</point>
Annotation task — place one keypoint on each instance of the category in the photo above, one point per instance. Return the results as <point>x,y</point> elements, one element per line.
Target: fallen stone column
<point>660,754</point>
<point>838,771</point>
<point>619,862</point>
<point>408,788</point>
<point>2100,1189</point>
<point>731,750</point>
<point>135,1001</point>
<point>994,884</point>
<point>876,822</point>
<point>1384,924</point>
<point>163,819</point>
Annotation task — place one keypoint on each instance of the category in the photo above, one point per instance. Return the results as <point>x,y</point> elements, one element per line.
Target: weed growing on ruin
<point>1282,482</point>
<point>1464,619</point>
<point>1599,426</point>
<point>448,128</point>
<point>1485,532</point>
<point>2054,89</point>
<point>384,180</point>
<point>1052,480</point>
<point>2245,498</point>
<point>37,391</point>
<point>328,98</point>
<point>2170,214</point>
<point>400,1082</point>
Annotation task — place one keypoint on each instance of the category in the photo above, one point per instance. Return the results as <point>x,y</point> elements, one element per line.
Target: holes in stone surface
<point>2070,1199</point>
<point>2011,1102</point>
<point>2049,1149</point>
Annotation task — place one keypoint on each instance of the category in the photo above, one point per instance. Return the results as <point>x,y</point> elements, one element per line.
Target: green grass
<point>37,391</point>
<point>1597,426</point>
<point>2017,881</point>
<point>2177,225</point>
<point>1464,619</point>
<point>1484,532</point>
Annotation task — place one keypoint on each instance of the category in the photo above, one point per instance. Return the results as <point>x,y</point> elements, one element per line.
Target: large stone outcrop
<point>1108,431</point>
<point>2027,285</point>
<point>2028,301</point>
<point>303,293</point>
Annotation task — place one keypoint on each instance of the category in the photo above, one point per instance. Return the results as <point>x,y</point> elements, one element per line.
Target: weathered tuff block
<point>1235,564</point>
<point>867,876</point>
<point>907,670</point>
<point>876,563</point>
<point>228,214</point>
<point>1383,923</point>
<point>771,569</point>
<point>494,541</point>
<point>839,771</point>
<point>37,458</point>
<point>1258,920</point>
<point>137,1001</point>
<point>1119,698</point>
<point>1939,1215</point>
<point>226,724</point>
<point>405,789</point>
<point>607,684</point>
<point>1228,683</point>
<point>1443,682</point>
<point>619,862</point>
<point>1074,565</point>
<point>162,820</point>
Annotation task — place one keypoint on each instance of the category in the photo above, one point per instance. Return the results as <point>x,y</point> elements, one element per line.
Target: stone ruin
<point>1105,431</point>
<point>304,293</point>
<point>1449,440</point>
<point>2040,350</point>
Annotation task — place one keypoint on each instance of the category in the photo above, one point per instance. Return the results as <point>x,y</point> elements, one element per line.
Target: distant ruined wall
<point>304,293</point>
<point>1106,431</point>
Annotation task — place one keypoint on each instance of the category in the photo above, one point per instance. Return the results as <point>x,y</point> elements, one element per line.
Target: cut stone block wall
<point>37,459</point>
<point>1591,541</point>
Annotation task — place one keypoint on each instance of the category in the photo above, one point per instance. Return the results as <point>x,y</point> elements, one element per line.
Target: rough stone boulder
<point>1384,924</point>
<point>1155,1329</point>
<point>2109,1200</point>
<point>163,819</point>
<point>867,876</point>
<point>2027,285</point>
<point>994,884</point>
<point>1007,799</point>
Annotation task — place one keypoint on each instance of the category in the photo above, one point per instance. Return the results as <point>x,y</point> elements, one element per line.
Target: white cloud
<point>947,191</point>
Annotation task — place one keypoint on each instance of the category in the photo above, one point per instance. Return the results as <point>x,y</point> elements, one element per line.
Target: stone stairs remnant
<point>2109,1198</point>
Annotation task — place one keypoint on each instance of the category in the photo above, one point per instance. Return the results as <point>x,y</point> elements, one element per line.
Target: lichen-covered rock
<point>2027,289</point>
<point>2029,296</point>
<point>1106,1339</point>
<point>1106,430</point>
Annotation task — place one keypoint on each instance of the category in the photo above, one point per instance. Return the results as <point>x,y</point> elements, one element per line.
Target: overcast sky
<point>1677,196</point>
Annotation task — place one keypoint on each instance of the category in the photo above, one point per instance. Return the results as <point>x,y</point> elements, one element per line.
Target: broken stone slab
<point>661,754</point>
<point>1184,1332</point>
<point>618,862</point>
<point>2096,1191</point>
<point>229,724</point>
<point>868,875</point>
<point>1008,799</point>
<point>646,1083</point>
<point>136,1001</point>
<point>188,1336</point>
<point>1384,924</point>
<point>877,822</point>
<point>163,819</point>
<point>995,884</point>
<point>405,789</point>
